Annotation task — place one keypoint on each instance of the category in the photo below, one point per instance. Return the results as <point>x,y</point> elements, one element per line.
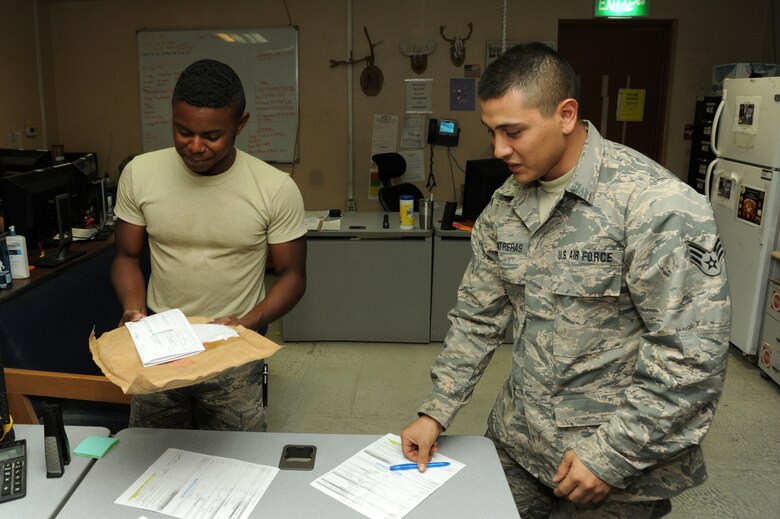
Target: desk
<point>367,284</point>
<point>479,490</point>
<point>45,320</point>
<point>40,275</point>
<point>451,256</point>
<point>46,496</point>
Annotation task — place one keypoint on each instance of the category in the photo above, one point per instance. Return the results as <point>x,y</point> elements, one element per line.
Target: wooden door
<point>609,55</point>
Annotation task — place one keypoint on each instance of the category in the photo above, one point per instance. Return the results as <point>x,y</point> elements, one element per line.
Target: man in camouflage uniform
<point>612,273</point>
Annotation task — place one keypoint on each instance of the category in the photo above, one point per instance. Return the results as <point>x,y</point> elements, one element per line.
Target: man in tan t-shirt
<point>212,215</point>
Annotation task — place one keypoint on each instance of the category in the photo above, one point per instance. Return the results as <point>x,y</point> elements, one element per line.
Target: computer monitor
<point>28,200</point>
<point>85,185</point>
<point>17,161</point>
<point>483,177</point>
<point>87,164</point>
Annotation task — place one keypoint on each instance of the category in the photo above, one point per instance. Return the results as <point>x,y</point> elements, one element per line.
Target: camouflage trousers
<point>535,500</point>
<point>232,401</point>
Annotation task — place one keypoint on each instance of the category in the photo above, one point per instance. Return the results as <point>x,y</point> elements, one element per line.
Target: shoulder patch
<point>708,261</point>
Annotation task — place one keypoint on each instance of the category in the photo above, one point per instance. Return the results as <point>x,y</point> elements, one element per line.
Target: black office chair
<point>390,166</point>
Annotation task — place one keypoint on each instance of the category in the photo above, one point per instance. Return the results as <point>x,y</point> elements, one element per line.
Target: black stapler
<point>57,448</point>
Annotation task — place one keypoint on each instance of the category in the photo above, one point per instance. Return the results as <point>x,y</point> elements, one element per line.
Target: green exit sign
<point>621,8</point>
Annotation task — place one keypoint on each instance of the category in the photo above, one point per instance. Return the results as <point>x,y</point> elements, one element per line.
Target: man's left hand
<point>578,484</point>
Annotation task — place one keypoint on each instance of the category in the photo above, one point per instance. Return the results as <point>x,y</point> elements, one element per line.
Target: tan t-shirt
<point>208,236</point>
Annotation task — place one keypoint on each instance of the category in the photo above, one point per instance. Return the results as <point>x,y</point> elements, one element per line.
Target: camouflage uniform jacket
<point>621,318</point>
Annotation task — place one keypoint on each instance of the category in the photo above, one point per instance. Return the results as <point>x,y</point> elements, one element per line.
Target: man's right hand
<point>418,440</point>
<point>131,315</point>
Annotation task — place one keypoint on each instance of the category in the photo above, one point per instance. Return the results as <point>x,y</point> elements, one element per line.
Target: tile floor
<point>375,388</point>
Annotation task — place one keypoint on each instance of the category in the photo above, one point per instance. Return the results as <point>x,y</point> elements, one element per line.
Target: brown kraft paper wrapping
<point>114,352</point>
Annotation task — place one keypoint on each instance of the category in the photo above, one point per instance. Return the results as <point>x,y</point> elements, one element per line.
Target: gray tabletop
<point>46,496</point>
<point>479,490</point>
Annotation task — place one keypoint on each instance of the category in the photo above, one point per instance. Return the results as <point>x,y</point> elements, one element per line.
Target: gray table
<point>46,496</point>
<point>365,283</point>
<point>479,490</point>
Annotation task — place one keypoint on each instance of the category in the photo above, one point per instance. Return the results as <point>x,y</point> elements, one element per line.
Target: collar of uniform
<point>214,180</point>
<point>586,173</point>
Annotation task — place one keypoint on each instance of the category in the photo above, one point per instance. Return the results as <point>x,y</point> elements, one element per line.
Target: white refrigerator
<point>743,184</point>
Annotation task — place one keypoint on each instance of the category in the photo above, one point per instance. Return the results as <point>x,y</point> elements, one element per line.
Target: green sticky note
<point>95,446</point>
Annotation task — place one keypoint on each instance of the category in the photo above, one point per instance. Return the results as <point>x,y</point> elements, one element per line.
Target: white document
<point>313,224</point>
<point>365,482</point>
<point>415,165</point>
<point>190,485</point>
<point>331,224</point>
<point>385,134</point>
<point>419,95</point>
<point>164,337</point>
<point>413,131</point>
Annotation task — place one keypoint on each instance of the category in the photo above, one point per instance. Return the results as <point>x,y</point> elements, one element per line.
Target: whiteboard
<point>266,60</point>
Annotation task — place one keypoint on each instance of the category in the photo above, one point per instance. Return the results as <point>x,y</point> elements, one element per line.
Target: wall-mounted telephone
<point>443,132</point>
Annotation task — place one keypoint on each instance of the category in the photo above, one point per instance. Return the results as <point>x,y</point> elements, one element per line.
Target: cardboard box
<point>740,70</point>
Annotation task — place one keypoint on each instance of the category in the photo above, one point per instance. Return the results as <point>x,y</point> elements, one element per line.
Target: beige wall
<point>19,95</point>
<point>90,69</point>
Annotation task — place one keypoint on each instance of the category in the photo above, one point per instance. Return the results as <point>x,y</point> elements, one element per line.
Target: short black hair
<point>544,77</point>
<point>208,83</point>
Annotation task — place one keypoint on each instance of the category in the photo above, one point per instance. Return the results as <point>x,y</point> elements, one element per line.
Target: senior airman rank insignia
<point>708,261</point>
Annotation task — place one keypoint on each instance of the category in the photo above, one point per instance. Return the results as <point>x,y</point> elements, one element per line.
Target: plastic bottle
<point>406,211</point>
<point>17,252</point>
<point>109,211</point>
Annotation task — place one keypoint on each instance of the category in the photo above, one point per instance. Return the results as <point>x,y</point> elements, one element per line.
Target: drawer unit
<point>772,307</point>
<point>769,350</point>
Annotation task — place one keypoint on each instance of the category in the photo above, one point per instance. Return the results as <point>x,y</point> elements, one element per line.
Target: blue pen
<point>409,466</point>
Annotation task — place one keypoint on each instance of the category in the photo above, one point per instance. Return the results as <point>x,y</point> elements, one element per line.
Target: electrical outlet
<point>351,205</point>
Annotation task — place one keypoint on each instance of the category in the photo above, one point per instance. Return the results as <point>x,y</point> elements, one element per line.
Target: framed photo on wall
<point>494,50</point>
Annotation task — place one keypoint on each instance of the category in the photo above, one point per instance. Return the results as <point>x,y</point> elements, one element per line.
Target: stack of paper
<point>164,337</point>
<point>314,219</point>
<point>313,224</point>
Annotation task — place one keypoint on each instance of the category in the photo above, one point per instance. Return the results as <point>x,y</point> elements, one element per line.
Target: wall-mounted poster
<point>751,205</point>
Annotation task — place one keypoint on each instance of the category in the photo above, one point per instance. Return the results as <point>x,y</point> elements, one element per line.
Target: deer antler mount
<point>457,45</point>
<point>371,79</point>
<point>418,56</point>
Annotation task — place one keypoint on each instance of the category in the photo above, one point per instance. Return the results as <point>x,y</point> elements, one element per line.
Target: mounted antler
<point>371,78</point>
<point>457,47</point>
<point>418,56</point>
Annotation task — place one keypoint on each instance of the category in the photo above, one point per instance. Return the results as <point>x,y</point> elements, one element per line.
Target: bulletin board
<point>266,60</point>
